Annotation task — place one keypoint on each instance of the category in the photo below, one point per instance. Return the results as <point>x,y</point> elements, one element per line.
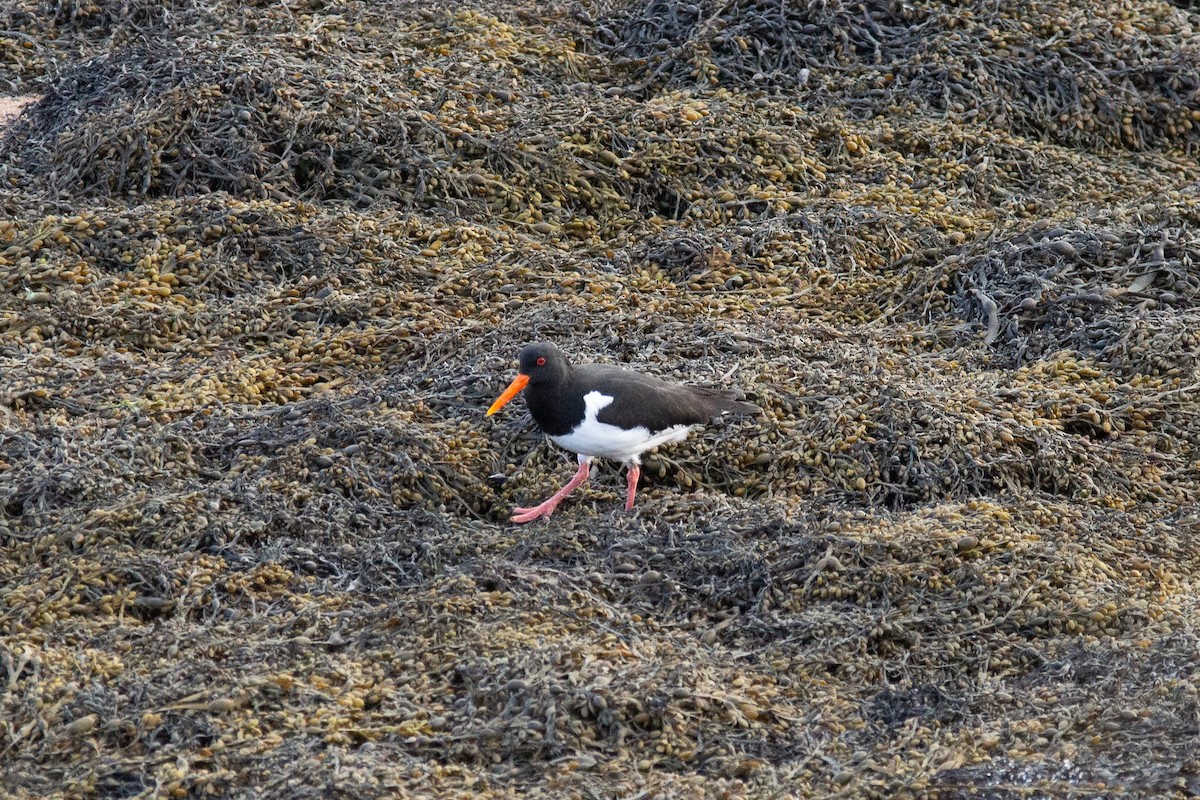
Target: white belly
<point>595,438</point>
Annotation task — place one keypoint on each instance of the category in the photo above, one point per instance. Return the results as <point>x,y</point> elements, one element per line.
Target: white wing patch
<point>594,403</point>
<point>595,438</point>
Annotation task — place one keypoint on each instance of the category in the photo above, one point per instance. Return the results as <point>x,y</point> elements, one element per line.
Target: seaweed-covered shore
<point>263,267</point>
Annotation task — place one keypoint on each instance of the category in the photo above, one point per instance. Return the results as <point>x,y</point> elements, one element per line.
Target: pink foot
<point>631,480</point>
<point>529,514</point>
<point>521,514</point>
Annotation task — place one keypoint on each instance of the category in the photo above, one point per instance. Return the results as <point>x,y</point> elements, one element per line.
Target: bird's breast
<point>555,410</point>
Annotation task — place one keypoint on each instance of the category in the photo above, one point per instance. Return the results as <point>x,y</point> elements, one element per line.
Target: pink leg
<point>547,508</point>
<point>631,479</point>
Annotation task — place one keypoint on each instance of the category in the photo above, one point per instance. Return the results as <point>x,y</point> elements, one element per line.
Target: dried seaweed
<point>262,268</point>
<point>1126,297</point>
<point>1040,68</point>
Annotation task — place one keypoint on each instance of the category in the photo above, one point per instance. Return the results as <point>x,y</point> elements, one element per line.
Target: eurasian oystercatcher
<point>601,411</point>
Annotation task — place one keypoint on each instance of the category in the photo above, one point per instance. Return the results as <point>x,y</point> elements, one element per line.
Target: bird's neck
<point>554,407</point>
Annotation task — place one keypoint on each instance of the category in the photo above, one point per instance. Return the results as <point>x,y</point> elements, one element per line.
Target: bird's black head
<point>540,363</point>
<point>543,362</point>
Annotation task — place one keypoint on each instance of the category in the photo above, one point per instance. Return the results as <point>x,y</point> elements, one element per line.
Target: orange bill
<point>512,391</point>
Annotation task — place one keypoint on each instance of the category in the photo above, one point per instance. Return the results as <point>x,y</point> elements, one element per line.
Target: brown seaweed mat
<point>264,265</point>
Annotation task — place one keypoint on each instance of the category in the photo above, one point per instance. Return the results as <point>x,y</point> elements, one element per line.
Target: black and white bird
<point>600,411</point>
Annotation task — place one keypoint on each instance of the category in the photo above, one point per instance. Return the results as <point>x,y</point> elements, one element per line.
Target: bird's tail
<point>732,406</point>
<point>724,401</point>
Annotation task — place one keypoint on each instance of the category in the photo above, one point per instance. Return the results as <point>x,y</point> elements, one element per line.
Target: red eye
<point>541,362</point>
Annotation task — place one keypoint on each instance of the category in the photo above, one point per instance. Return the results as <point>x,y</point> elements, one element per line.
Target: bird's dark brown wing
<point>643,400</point>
